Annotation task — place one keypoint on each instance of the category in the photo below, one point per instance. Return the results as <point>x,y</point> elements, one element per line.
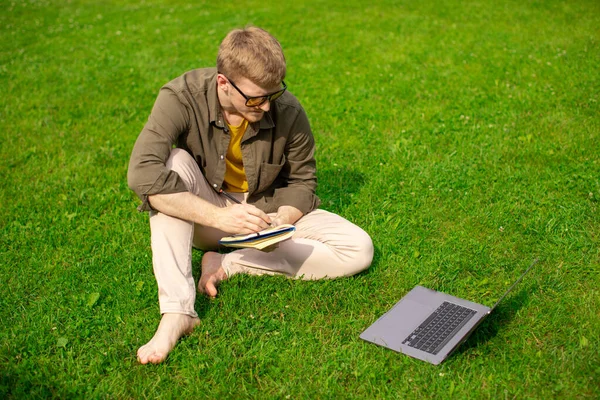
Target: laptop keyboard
<point>437,330</point>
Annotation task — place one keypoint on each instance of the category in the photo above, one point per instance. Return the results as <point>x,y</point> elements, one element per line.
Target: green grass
<point>463,136</point>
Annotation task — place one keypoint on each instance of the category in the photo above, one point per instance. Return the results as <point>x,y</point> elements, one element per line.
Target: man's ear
<point>222,82</point>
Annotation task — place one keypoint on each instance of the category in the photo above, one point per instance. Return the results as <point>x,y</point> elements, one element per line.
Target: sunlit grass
<point>463,136</point>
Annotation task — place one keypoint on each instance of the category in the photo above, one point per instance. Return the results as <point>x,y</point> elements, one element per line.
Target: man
<point>228,151</point>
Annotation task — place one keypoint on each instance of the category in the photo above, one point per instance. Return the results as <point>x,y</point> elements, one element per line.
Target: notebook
<point>429,325</point>
<point>260,240</point>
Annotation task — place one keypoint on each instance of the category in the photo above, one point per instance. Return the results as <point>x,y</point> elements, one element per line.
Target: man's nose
<point>266,106</point>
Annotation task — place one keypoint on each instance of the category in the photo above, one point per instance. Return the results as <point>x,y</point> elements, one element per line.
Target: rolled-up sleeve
<point>299,171</point>
<point>147,173</point>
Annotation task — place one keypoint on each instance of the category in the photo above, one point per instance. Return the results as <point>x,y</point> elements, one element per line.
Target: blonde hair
<point>254,54</point>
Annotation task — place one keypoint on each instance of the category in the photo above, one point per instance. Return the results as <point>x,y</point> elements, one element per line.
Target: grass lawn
<point>463,136</point>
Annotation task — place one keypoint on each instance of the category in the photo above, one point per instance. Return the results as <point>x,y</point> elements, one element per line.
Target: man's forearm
<point>287,215</point>
<point>186,206</point>
<point>236,218</point>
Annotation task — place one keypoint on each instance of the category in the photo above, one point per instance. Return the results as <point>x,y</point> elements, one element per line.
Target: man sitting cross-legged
<point>229,150</point>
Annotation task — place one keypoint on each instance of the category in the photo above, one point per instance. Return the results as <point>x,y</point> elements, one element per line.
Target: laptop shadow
<point>500,317</point>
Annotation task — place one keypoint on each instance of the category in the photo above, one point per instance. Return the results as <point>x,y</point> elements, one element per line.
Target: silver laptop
<point>429,325</point>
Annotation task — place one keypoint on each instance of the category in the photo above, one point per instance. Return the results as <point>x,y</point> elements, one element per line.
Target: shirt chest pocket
<point>268,174</point>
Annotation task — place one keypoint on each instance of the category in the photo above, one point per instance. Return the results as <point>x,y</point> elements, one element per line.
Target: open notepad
<point>260,240</point>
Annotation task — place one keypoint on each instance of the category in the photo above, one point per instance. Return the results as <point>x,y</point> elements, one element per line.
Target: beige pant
<point>324,245</point>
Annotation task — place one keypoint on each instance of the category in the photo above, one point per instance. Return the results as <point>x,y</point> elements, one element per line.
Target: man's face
<point>243,86</point>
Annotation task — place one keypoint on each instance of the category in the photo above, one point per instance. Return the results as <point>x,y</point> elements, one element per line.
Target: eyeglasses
<point>256,101</point>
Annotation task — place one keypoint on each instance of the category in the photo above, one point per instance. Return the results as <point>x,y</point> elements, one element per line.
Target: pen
<point>230,197</point>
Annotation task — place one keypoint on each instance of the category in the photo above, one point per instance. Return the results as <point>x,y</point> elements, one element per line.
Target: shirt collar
<point>214,108</point>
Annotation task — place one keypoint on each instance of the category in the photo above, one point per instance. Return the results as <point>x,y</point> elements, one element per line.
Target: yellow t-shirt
<point>235,176</point>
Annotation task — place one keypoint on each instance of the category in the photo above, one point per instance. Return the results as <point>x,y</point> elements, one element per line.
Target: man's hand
<point>242,218</point>
<point>286,215</point>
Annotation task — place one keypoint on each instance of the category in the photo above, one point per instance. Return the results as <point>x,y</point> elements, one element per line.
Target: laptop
<point>429,325</point>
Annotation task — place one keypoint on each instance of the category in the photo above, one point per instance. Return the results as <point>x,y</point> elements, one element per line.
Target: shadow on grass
<point>337,186</point>
<point>23,384</point>
<point>500,318</point>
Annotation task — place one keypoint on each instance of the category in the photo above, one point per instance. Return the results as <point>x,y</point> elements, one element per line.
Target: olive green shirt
<point>277,151</point>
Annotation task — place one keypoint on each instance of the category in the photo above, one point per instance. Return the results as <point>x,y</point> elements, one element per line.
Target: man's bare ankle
<point>212,274</point>
<point>171,328</point>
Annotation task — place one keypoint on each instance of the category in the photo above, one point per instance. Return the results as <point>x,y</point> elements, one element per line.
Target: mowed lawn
<point>463,136</point>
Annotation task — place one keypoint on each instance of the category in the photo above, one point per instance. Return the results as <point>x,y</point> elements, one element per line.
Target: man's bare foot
<point>171,328</point>
<point>212,274</point>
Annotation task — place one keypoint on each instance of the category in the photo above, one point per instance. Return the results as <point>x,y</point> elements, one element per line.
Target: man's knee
<point>364,252</point>
<point>181,162</point>
<point>359,253</point>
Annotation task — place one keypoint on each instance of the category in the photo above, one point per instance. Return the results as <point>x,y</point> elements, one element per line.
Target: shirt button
<point>222,156</point>
<point>214,185</point>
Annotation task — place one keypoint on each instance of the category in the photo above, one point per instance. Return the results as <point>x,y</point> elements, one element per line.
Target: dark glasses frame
<point>257,101</point>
